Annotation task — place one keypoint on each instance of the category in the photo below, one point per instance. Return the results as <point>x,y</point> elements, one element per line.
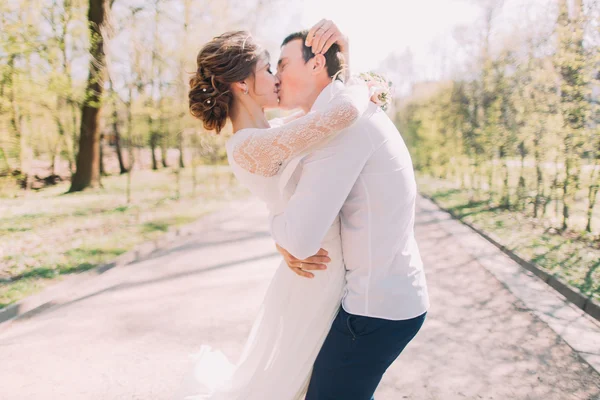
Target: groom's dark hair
<point>334,60</point>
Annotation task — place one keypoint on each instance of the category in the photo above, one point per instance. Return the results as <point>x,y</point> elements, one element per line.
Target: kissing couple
<point>338,181</point>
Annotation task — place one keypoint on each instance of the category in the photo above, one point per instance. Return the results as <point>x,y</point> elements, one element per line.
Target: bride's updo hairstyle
<point>228,58</point>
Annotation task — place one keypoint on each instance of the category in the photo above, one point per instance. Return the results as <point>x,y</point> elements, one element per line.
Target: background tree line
<point>519,125</point>
<point>79,75</point>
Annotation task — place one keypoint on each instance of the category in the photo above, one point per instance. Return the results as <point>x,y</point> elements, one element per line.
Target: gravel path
<point>126,334</point>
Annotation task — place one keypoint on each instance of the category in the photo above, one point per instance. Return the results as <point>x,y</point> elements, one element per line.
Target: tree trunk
<point>74,143</point>
<point>68,142</point>
<point>491,181</point>
<point>539,182</point>
<point>539,190</point>
<point>569,185</point>
<point>555,186</point>
<point>522,191</point>
<point>88,157</point>
<point>58,149</point>
<point>117,134</point>
<point>180,143</point>
<point>130,144</point>
<point>53,156</point>
<point>592,195</point>
<point>473,172</point>
<point>565,199</point>
<point>163,150</point>
<point>102,168</point>
<point>122,168</point>
<point>506,188</point>
<point>153,139</point>
<point>572,65</point>
<point>194,172</point>
<point>15,118</point>
<point>4,169</point>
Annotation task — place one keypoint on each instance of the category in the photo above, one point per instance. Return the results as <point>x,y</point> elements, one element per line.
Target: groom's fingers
<point>311,264</point>
<point>312,32</point>
<point>316,260</point>
<point>318,39</point>
<point>331,39</point>
<point>322,252</point>
<point>300,269</point>
<point>320,48</point>
<point>303,273</point>
<point>310,267</point>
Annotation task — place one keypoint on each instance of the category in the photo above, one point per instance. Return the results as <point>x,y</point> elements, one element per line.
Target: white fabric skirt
<point>286,336</point>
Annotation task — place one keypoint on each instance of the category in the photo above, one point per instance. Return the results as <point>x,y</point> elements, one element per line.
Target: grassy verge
<point>570,255</point>
<point>47,235</point>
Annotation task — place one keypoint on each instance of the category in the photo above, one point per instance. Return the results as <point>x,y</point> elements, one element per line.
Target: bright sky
<point>379,27</point>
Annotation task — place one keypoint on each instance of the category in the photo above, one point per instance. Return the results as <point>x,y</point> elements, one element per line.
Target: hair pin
<point>204,90</point>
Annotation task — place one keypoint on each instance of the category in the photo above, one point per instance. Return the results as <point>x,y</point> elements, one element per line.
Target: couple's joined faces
<point>263,86</point>
<point>294,80</point>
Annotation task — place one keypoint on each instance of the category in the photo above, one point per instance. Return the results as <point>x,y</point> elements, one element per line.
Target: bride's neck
<point>247,114</point>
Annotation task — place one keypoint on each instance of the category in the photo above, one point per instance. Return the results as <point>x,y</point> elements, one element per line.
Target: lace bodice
<point>264,151</point>
<point>258,156</point>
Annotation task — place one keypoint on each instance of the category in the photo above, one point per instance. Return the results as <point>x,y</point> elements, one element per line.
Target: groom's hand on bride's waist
<point>300,267</point>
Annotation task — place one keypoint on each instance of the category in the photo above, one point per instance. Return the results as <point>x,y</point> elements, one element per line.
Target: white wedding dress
<point>296,313</point>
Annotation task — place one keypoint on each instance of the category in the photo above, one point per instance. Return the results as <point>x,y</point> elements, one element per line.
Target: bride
<point>234,81</point>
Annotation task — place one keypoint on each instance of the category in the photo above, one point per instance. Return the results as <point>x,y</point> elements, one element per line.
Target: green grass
<point>49,234</point>
<point>574,256</point>
<point>162,225</point>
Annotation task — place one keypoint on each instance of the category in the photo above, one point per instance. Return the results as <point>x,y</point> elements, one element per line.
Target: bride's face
<point>265,87</point>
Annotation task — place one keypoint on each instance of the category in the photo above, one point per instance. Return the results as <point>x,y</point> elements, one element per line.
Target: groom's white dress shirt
<point>365,174</point>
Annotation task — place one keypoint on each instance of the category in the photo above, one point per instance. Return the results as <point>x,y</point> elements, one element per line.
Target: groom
<point>365,175</point>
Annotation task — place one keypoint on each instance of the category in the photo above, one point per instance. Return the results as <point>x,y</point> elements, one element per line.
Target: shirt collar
<point>327,94</point>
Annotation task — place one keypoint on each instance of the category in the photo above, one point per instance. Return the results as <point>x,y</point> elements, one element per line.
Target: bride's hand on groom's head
<point>300,267</point>
<point>323,34</point>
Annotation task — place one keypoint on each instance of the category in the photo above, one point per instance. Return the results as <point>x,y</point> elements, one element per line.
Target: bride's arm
<point>278,121</point>
<point>264,150</point>
<point>288,118</point>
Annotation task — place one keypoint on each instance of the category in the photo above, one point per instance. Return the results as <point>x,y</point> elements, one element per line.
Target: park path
<point>126,333</point>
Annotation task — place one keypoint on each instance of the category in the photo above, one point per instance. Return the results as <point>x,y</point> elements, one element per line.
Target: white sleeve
<point>264,150</point>
<point>328,175</point>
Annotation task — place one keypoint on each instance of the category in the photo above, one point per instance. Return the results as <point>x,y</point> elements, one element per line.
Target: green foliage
<point>521,110</point>
<point>45,48</point>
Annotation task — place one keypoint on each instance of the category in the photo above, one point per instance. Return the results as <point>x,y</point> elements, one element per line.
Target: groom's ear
<point>318,64</point>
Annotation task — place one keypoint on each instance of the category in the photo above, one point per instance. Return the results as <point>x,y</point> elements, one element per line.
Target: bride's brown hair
<point>228,58</point>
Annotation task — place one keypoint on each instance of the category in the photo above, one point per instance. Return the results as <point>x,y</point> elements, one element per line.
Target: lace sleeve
<point>284,120</point>
<point>264,151</point>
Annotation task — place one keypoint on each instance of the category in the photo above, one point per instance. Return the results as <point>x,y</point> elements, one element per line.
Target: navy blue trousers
<point>356,353</point>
